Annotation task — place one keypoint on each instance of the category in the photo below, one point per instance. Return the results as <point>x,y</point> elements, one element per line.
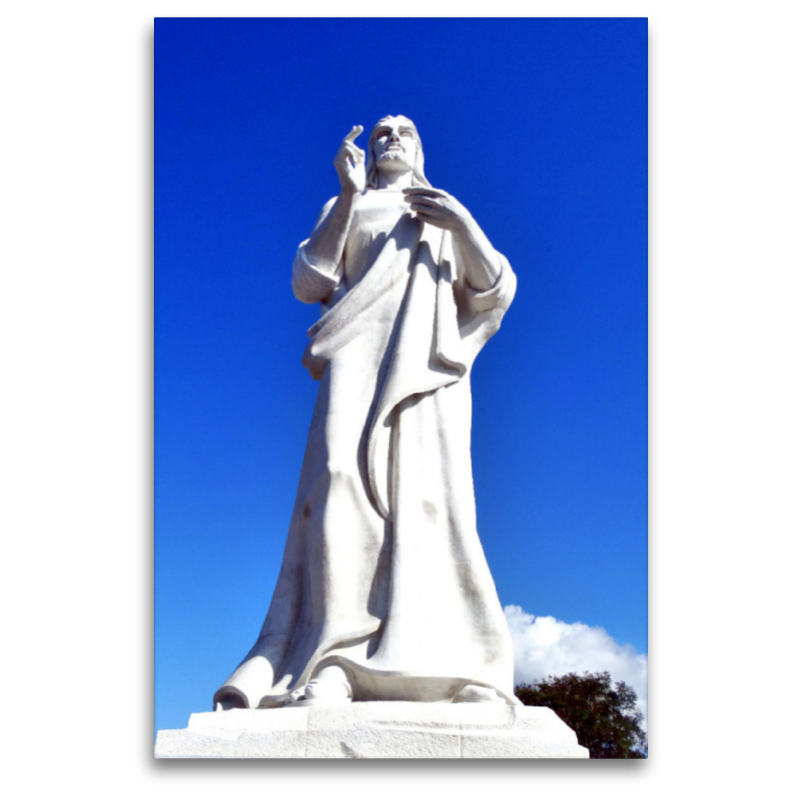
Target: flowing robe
<point>383,571</point>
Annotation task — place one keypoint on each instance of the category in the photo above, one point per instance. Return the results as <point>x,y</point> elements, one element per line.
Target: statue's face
<point>395,145</point>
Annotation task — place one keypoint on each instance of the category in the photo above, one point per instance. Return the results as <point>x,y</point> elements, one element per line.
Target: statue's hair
<point>418,172</point>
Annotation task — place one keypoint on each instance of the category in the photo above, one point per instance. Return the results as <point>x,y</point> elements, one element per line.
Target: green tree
<point>603,716</point>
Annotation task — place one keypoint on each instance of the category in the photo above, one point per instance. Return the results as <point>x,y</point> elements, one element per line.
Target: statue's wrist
<point>349,192</point>
<point>465,227</point>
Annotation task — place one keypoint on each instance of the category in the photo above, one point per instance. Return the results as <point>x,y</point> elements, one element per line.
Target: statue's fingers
<point>424,190</point>
<point>426,212</point>
<point>430,219</point>
<point>422,200</point>
<point>355,151</point>
<point>355,154</point>
<point>356,132</point>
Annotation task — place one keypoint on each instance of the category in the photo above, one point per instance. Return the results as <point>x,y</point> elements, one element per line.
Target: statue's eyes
<point>383,133</point>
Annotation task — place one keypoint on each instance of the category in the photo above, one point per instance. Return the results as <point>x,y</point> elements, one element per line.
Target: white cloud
<point>547,646</point>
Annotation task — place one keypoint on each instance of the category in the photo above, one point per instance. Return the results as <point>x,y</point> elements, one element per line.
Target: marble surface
<point>385,730</point>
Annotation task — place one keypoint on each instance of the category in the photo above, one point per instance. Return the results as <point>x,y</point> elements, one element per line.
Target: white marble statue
<point>384,592</point>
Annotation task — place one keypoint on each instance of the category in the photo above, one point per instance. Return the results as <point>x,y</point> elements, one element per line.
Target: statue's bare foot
<point>329,688</point>
<point>472,693</point>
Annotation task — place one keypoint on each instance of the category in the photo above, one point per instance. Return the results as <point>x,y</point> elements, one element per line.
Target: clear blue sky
<point>539,127</point>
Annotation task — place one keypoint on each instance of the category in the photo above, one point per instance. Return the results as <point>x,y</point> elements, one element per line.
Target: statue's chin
<point>394,161</point>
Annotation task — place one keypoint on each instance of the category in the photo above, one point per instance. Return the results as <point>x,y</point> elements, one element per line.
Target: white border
<point>76,330</point>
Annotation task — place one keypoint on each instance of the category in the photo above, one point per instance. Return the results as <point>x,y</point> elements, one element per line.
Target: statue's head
<point>394,144</point>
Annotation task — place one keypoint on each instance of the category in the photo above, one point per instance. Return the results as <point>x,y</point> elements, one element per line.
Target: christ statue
<point>384,592</point>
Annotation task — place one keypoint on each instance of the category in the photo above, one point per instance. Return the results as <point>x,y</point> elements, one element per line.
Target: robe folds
<point>383,572</point>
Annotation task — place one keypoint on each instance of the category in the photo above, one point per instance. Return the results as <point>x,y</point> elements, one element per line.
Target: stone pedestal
<point>375,730</point>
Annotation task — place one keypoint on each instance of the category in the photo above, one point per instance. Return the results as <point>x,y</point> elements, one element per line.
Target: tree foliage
<point>603,716</point>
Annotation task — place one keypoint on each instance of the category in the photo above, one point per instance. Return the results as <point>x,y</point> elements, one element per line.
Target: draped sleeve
<point>477,314</point>
<point>315,282</point>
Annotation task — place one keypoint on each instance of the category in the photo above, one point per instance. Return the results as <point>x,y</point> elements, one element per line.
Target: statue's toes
<point>327,690</point>
<point>321,693</point>
<point>295,697</point>
<point>472,693</point>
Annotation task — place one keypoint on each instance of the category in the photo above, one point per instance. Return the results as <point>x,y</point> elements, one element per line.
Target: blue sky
<point>539,127</point>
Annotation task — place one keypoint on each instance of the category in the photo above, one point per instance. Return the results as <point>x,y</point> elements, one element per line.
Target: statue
<point>384,592</point>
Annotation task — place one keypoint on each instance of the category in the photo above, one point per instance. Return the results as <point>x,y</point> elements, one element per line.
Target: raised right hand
<point>349,163</point>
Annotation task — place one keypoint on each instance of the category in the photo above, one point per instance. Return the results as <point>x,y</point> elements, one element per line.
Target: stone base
<point>375,730</point>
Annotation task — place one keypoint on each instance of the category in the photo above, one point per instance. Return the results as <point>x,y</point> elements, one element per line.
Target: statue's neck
<point>395,180</point>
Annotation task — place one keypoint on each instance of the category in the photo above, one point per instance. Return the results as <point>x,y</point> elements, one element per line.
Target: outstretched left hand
<point>437,208</point>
